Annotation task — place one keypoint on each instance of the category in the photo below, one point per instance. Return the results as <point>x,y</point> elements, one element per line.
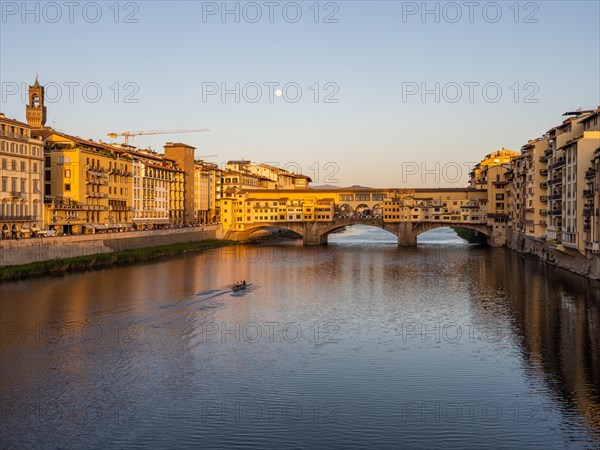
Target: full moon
<point>278,92</point>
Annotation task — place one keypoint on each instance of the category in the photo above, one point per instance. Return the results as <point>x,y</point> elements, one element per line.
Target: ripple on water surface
<point>359,344</point>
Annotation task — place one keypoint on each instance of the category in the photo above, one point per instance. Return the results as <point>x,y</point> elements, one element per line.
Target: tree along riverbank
<point>101,260</point>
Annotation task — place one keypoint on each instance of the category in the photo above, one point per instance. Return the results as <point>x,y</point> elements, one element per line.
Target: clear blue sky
<point>172,52</point>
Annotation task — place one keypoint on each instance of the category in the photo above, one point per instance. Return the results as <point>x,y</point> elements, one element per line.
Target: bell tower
<point>36,111</point>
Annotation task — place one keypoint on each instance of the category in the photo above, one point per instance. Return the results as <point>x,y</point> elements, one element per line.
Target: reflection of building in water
<point>555,312</point>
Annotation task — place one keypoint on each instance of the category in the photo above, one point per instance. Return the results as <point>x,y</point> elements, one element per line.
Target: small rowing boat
<point>240,286</point>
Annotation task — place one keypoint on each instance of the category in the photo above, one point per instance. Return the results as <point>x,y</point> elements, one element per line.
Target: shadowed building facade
<point>183,155</point>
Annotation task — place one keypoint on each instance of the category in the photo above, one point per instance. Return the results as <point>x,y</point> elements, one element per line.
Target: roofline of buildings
<point>338,190</point>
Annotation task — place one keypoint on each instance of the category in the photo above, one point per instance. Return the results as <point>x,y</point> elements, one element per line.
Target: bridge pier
<point>497,237</point>
<point>407,237</point>
<point>312,234</point>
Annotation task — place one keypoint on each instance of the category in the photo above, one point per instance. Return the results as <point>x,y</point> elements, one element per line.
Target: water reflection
<point>357,344</point>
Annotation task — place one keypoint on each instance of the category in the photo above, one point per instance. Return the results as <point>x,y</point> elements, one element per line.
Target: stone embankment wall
<point>570,259</point>
<point>24,251</point>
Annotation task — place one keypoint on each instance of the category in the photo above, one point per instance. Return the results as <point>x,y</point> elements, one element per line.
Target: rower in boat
<point>240,285</point>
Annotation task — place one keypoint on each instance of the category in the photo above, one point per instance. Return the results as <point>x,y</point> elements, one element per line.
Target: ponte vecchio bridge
<point>314,213</point>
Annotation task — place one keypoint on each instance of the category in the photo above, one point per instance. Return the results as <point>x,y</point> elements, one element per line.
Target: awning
<point>99,226</point>
<point>25,230</point>
<point>36,229</point>
<point>89,226</point>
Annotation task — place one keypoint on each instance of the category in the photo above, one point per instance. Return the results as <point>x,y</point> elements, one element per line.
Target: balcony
<point>544,185</point>
<point>587,227</point>
<point>65,206</point>
<point>544,172</point>
<point>120,208</point>
<point>18,194</point>
<point>543,212</point>
<point>555,212</point>
<point>590,174</point>
<point>587,212</point>
<point>19,137</point>
<point>569,239</point>
<point>559,163</point>
<point>543,198</point>
<point>96,195</point>
<point>95,170</point>
<point>18,218</point>
<point>543,159</point>
<point>555,180</point>
<point>588,193</point>
<point>555,197</point>
<point>500,182</point>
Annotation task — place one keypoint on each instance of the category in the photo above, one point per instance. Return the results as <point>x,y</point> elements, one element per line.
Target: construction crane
<point>128,134</point>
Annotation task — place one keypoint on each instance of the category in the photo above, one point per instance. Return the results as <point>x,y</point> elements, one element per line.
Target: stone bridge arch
<point>244,235</point>
<point>407,235</point>
<point>407,232</point>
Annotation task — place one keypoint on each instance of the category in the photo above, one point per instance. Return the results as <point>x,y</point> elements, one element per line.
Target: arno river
<point>359,344</point>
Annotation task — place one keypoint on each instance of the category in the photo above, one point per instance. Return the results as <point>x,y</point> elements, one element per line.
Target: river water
<point>359,344</point>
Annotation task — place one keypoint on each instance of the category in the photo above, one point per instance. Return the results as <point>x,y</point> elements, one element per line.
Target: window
<point>4,184</point>
<point>67,173</point>
<point>23,166</point>
<point>67,187</point>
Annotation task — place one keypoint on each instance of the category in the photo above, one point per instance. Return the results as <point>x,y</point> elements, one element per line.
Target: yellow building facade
<point>88,185</point>
<point>248,209</point>
<point>177,197</point>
